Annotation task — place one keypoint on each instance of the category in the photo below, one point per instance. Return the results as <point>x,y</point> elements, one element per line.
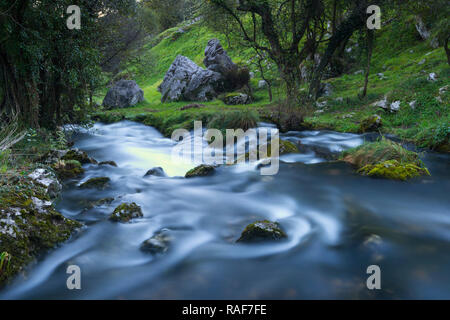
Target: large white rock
<point>47,180</point>
<point>186,81</point>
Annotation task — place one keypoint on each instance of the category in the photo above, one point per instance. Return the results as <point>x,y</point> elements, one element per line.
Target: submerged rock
<point>124,94</point>
<point>96,203</point>
<point>157,172</point>
<point>159,243</point>
<point>262,231</point>
<point>109,163</point>
<point>371,123</point>
<point>200,171</point>
<point>96,183</point>
<point>125,212</point>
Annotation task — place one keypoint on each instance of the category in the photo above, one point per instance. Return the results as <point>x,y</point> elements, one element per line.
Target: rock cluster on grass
<point>186,81</point>
<point>262,231</point>
<point>126,212</point>
<point>124,94</point>
<point>217,59</point>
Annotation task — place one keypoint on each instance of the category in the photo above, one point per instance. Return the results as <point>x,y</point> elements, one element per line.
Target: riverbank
<point>29,188</point>
<point>408,74</point>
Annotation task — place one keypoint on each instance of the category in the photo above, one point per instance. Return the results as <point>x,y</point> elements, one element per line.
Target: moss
<point>125,212</point>
<point>66,169</point>
<point>261,231</point>
<point>79,156</point>
<point>379,151</point>
<point>200,171</point>
<point>109,163</point>
<point>392,169</point>
<point>30,231</point>
<point>96,183</point>
<point>371,123</point>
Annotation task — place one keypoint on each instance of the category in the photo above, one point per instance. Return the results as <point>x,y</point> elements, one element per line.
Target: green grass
<point>396,55</point>
<point>372,153</point>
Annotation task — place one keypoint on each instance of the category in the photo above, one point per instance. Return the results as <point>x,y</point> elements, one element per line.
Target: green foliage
<point>5,262</point>
<point>4,161</point>
<point>244,120</point>
<point>372,153</point>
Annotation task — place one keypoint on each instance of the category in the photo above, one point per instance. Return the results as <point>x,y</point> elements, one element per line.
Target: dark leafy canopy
<point>288,31</point>
<point>47,70</point>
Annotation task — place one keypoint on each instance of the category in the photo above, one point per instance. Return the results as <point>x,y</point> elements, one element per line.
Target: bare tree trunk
<point>447,50</point>
<point>344,31</point>
<point>370,36</point>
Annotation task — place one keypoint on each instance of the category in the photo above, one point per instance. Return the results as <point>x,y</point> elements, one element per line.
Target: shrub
<point>238,119</point>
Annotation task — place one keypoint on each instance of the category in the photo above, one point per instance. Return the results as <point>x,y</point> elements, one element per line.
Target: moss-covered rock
<point>379,151</point>
<point>287,147</point>
<point>392,169</point>
<point>100,183</point>
<point>159,243</point>
<point>262,231</point>
<point>385,159</point>
<point>200,171</point>
<point>156,172</point>
<point>89,204</point>
<point>66,169</point>
<point>109,163</point>
<point>125,212</point>
<point>371,123</point>
<point>80,156</point>
<point>236,98</point>
<point>29,225</point>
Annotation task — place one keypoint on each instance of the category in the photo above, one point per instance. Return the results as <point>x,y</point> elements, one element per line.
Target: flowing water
<point>338,223</point>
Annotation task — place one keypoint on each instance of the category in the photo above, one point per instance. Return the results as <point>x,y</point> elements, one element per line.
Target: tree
<point>47,70</point>
<point>355,20</point>
<point>288,31</point>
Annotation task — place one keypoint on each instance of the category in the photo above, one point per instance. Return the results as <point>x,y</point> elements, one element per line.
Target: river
<point>338,223</point>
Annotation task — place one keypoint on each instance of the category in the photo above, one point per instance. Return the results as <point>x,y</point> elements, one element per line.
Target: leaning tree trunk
<point>447,50</point>
<point>355,21</point>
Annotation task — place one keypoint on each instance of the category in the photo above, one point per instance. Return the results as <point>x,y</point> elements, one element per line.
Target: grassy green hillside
<point>404,60</point>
